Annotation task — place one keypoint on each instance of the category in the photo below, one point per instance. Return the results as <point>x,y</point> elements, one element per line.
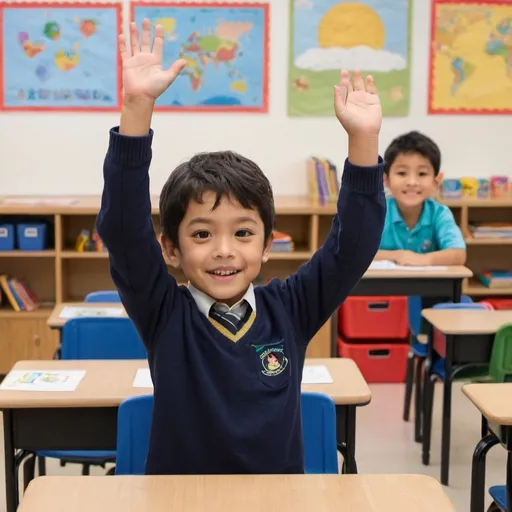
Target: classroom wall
<point>52,153</point>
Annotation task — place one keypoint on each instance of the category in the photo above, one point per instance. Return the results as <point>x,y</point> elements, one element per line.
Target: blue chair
<point>103,296</point>
<point>318,423</point>
<point>94,338</point>
<point>499,496</point>
<point>415,360</point>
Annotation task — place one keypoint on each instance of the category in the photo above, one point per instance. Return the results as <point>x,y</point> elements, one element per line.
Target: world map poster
<point>226,49</point>
<point>471,57</point>
<point>59,56</point>
<point>329,35</point>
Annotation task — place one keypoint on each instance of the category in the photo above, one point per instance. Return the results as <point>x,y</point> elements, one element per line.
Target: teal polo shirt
<point>436,230</point>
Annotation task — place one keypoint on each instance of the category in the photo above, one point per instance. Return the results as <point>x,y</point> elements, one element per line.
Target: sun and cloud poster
<point>471,57</point>
<point>329,35</point>
<point>59,56</point>
<point>226,48</point>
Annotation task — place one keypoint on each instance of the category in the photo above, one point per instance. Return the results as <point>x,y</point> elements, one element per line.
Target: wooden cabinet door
<point>25,338</point>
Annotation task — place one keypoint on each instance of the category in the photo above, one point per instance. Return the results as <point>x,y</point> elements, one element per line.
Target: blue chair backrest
<point>319,431</point>
<point>318,424</point>
<point>101,338</point>
<point>459,305</point>
<point>414,307</point>
<point>133,428</point>
<point>103,296</point>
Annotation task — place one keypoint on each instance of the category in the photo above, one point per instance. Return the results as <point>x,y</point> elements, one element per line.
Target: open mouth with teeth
<point>223,273</point>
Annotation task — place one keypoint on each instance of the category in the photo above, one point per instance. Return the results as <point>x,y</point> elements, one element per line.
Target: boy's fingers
<point>134,38</point>
<point>123,49</point>
<point>158,42</point>
<point>176,68</point>
<point>357,79</point>
<point>145,40</point>
<point>370,85</point>
<point>345,80</point>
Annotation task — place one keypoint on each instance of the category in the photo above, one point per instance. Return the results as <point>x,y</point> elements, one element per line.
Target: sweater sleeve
<point>321,285</point>
<point>125,225</point>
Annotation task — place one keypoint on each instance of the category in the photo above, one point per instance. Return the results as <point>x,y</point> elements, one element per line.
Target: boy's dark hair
<point>413,142</point>
<point>225,173</point>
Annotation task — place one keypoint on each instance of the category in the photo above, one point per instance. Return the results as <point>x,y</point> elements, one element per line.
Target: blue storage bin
<point>6,237</point>
<point>31,237</point>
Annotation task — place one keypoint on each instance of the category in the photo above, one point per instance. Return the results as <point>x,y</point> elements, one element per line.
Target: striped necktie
<point>232,319</point>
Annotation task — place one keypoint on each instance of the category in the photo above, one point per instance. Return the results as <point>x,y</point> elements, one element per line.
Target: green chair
<point>500,367</point>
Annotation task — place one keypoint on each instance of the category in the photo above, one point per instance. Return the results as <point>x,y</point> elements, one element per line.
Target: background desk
<point>250,493</point>
<point>55,321</point>
<point>460,337</point>
<point>86,419</point>
<point>494,401</point>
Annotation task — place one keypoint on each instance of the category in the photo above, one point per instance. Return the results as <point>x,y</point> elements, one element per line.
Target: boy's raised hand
<point>357,104</point>
<point>143,76</point>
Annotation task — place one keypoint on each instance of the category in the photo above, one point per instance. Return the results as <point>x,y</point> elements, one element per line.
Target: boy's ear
<point>171,253</point>
<point>266,250</point>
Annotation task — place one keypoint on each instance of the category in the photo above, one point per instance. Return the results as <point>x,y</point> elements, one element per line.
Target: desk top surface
<point>108,383</point>
<point>493,400</point>
<point>467,321</point>
<point>453,272</point>
<point>56,321</point>
<point>251,493</point>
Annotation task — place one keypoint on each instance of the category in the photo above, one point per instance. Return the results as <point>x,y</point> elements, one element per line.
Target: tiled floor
<point>385,444</point>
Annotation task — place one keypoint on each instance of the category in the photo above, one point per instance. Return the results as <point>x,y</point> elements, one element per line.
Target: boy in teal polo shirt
<point>418,230</point>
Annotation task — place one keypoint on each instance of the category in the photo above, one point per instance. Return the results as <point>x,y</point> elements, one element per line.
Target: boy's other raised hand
<point>143,76</point>
<point>357,104</point>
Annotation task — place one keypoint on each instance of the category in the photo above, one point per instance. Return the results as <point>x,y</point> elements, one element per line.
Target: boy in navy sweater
<point>226,358</point>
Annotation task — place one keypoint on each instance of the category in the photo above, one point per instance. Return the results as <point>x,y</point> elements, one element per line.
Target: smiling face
<point>221,250</point>
<point>411,180</point>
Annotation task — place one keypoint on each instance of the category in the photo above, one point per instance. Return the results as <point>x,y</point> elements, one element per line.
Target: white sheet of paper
<point>58,201</point>
<point>42,380</point>
<point>391,265</point>
<point>142,379</point>
<point>75,312</point>
<point>317,374</point>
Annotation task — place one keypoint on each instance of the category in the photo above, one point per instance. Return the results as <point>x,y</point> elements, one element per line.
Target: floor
<point>385,444</point>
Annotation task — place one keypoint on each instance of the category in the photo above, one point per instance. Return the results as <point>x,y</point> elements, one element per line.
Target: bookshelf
<point>60,274</point>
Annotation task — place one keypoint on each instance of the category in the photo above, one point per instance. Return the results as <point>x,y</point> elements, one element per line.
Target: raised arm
<point>124,221</point>
<point>318,288</point>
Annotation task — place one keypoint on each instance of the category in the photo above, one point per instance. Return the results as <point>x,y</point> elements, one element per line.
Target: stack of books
<point>491,230</point>
<point>496,278</point>
<point>323,181</point>
<point>18,295</point>
<point>281,242</point>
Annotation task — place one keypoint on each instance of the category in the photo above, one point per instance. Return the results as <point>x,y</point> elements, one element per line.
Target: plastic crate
<point>373,318</point>
<point>31,237</point>
<point>499,302</point>
<point>7,237</point>
<point>378,362</point>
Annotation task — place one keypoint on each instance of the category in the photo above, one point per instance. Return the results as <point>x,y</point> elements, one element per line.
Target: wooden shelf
<point>27,254</point>
<point>489,241</point>
<point>38,313</point>
<point>75,255</point>
<point>475,287</point>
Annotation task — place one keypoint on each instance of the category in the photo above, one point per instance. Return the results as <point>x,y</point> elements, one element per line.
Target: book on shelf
<point>491,230</point>
<point>17,294</point>
<point>281,242</point>
<point>323,182</point>
<point>496,278</point>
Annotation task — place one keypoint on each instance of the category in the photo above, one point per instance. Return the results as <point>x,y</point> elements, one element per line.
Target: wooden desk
<point>86,419</point>
<point>56,322</point>
<point>462,338</point>
<point>251,493</point>
<point>494,401</point>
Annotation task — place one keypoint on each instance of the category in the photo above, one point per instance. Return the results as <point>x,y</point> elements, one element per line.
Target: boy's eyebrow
<point>206,220</point>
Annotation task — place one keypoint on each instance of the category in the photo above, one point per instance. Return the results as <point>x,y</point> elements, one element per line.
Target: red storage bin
<point>374,318</point>
<point>499,303</point>
<point>378,362</point>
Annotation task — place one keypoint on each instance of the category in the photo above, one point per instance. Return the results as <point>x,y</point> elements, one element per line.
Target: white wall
<point>52,153</point>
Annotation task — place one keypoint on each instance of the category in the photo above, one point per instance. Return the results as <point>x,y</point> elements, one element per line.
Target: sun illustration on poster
<point>349,25</point>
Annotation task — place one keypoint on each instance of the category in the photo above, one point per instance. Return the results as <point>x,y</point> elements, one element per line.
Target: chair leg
<point>428,405</point>
<point>41,466</point>
<point>409,379</point>
<point>86,469</point>
<point>28,470</point>
<point>493,508</point>
<point>418,400</point>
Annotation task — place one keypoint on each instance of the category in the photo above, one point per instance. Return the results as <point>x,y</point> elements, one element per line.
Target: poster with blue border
<point>226,49</point>
<point>60,56</point>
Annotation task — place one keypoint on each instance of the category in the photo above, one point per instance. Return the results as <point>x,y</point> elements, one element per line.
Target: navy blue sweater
<point>218,407</point>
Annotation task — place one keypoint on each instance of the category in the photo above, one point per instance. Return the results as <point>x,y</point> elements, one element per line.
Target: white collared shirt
<point>205,302</point>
